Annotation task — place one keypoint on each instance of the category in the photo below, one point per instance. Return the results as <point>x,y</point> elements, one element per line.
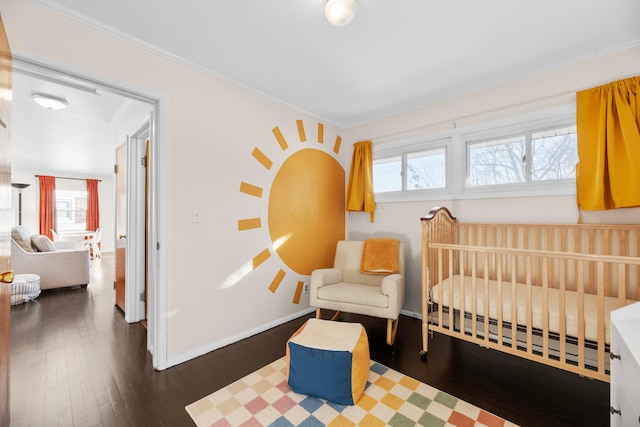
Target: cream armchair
<point>345,288</point>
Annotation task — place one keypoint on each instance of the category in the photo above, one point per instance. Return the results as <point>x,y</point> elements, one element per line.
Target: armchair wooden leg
<point>392,328</point>
<point>319,314</point>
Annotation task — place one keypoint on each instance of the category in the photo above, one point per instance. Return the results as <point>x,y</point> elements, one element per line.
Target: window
<point>424,170</point>
<point>497,162</point>
<point>71,210</point>
<point>387,174</point>
<point>531,154</point>
<point>553,155</point>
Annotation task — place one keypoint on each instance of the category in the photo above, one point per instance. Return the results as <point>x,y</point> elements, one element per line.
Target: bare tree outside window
<point>426,169</point>
<point>553,157</point>
<point>497,162</point>
<point>554,154</point>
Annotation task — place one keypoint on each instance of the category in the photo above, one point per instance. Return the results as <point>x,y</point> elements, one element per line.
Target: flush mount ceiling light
<point>340,12</point>
<point>48,101</point>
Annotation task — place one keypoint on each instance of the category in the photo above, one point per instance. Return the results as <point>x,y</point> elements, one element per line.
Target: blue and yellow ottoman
<point>329,360</point>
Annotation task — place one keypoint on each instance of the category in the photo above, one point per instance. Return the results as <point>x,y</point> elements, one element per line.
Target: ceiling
<point>75,141</point>
<point>395,56</point>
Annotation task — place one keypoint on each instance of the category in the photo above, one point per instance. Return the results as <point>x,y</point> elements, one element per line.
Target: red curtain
<point>93,208</point>
<point>47,205</point>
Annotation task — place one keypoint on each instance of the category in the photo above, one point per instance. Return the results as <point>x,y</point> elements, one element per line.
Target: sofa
<point>57,267</point>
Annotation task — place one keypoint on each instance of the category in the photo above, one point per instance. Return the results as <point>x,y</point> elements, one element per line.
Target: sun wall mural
<point>306,206</point>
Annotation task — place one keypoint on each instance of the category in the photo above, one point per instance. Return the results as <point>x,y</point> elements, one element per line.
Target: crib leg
<point>425,340</point>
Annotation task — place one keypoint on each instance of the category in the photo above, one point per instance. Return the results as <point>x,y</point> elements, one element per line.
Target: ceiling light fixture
<point>50,102</point>
<point>340,12</point>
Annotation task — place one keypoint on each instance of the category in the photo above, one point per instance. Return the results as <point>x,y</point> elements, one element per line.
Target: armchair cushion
<point>355,294</point>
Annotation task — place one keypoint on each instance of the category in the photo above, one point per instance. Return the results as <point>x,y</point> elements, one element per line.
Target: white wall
<point>551,89</point>
<point>208,131</point>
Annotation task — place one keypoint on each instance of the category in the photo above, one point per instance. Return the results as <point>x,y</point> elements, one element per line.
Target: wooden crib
<point>520,280</point>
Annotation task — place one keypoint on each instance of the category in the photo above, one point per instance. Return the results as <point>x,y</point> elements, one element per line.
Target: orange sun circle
<point>306,213</point>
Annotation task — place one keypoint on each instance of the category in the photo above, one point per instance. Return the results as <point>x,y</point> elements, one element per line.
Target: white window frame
<point>457,170</point>
<point>402,150</point>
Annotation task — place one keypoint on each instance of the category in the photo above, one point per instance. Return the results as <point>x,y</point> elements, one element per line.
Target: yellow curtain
<point>608,126</point>
<point>360,191</point>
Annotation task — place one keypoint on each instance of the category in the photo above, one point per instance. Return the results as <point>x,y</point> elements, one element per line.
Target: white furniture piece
<point>93,243</point>
<point>57,268</point>
<point>345,288</point>
<point>24,288</point>
<point>625,366</point>
<point>61,244</point>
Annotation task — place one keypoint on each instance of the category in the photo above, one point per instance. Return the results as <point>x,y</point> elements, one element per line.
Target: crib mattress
<point>571,304</point>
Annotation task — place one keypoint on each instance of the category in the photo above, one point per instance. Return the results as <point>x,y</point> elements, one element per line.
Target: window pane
<point>497,162</point>
<point>387,174</point>
<point>71,210</point>
<point>426,169</point>
<point>555,154</point>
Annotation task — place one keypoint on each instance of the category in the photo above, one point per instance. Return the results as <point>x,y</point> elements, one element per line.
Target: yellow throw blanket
<point>380,256</point>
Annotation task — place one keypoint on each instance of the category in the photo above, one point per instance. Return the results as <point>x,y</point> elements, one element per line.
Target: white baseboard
<point>225,342</point>
<point>411,314</point>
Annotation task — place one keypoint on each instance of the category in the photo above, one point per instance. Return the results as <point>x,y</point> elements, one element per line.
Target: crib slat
<point>580,319</point>
<point>562,315</point>
<point>529,310</point>
<point>451,297</point>
<point>499,306</point>
<point>440,290</point>
<point>474,296</point>
<point>463,292</point>
<point>486,297</point>
<point>514,306</point>
<point>545,307</point>
<point>600,292</point>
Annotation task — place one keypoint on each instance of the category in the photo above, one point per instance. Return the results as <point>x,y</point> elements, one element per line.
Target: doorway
<point>49,78</point>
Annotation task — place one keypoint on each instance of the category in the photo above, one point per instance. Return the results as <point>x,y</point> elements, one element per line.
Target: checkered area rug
<point>263,398</point>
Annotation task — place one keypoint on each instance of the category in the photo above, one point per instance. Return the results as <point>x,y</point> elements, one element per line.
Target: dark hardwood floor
<point>75,362</point>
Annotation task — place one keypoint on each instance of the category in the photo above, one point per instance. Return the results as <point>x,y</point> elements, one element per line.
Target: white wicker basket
<point>25,287</point>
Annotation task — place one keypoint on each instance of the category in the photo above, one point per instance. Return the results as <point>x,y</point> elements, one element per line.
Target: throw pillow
<point>42,243</point>
<point>22,237</point>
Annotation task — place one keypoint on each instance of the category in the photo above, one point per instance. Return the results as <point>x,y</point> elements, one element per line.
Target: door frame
<point>158,184</point>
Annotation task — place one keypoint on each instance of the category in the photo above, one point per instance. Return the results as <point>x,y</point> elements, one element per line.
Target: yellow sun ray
<point>249,223</point>
<point>296,297</point>
<point>262,158</point>
<point>260,258</point>
<point>288,225</point>
<point>278,134</point>
<point>273,287</point>
<point>301,134</point>
<point>251,190</point>
<point>336,146</point>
